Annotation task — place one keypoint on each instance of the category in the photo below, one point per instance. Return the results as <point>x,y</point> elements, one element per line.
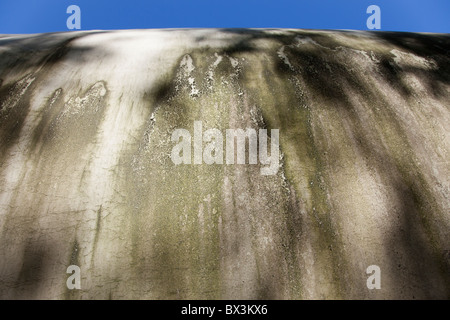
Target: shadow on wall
<point>22,55</point>
<point>437,48</point>
<point>419,263</point>
<point>36,269</point>
<point>32,59</point>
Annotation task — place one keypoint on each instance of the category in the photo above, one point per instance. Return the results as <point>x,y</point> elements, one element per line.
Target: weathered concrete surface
<point>86,178</point>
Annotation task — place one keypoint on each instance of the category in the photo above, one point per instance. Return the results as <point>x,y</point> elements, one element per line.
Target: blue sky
<point>36,16</point>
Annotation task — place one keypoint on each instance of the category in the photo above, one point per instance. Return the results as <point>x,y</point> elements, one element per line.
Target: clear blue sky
<point>36,16</point>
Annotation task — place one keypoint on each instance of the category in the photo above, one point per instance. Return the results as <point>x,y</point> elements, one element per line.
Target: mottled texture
<point>86,177</point>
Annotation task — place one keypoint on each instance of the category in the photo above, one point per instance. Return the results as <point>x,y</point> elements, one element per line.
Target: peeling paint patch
<point>406,59</point>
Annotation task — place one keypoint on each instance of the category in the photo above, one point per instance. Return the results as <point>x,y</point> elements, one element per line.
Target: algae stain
<point>279,97</point>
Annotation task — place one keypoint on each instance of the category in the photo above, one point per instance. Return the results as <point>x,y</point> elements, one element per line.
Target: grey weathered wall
<point>86,178</point>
